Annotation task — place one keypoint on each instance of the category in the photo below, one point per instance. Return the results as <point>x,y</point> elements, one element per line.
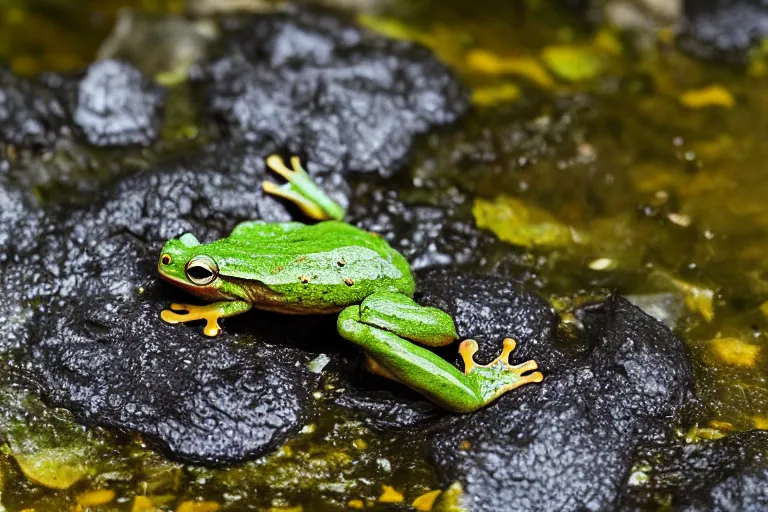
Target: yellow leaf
<point>712,96</point>
<point>573,63</point>
<point>55,468</point>
<point>734,351</point>
<point>94,498</point>
<point>390,27</point>
<point>198,506</point>
<point>356,504</point>
<point>607,40</point>
<point>390,495</point>
<point>503,93</point>
<point>143,504</point>
<point>761,422</point>
<point>425,502</point>
<point>514,222</point>
<point>484,61</point>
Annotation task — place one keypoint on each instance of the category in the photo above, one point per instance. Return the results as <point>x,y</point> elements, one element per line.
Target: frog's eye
<point>201,270</point>
<point>166,259</point>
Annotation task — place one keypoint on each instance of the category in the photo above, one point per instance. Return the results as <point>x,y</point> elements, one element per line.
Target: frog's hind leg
<point>422,370</point>
<point>401,315</point>
<point>211,313</point>
<point>301,190</point>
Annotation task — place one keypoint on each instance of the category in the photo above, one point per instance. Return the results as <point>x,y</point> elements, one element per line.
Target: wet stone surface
<point>427,235</point>
<point>31,116</point>
<point>111,104</point>
<point>724,474</point>
<point>117,105</point>
<point>567,444</point>
<point>94,341</point>
<point>344,98</point>
<point>723,30</point>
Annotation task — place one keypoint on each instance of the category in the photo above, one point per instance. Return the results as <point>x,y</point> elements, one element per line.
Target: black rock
<point>93,340</point>
<point>344,98</point>
<point>31,116</point>
<point>568,443</point>
<point>726,474</point>
<point>117,105</point>
<point>723,30</point>
<point>489,308</point>
<point>427,235</point>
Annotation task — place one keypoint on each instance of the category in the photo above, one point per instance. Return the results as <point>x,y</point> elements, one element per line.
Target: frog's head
<point>184,263</point>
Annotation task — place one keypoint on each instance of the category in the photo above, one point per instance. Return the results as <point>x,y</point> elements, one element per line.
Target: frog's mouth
<point>205,291</point>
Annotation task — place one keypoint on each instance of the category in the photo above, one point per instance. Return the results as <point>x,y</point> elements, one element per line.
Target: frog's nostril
<point>166,259</point>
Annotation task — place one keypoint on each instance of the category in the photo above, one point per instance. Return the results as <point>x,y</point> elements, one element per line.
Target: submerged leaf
<point>49,447</point>
<point>697,298</point>
<point>488,96</point>
<point>712,96</point>
<point>198,506</point>
<point>95,498</point>
<point>514,222</point>
<point>426,501</point>
<point>55,468</point>
<point>573,63</point>
<point>735,352</point>
<point>528,67</point>
<point>390,495</point>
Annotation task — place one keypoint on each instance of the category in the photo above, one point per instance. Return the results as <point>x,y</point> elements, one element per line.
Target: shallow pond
<point>594,160</point>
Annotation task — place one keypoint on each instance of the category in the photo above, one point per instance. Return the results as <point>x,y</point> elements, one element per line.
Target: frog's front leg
<point>382,337</point>
<point>211,313</point>
<point>301,190</point>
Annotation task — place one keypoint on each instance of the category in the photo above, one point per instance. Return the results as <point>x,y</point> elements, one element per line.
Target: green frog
<point>334,267</point>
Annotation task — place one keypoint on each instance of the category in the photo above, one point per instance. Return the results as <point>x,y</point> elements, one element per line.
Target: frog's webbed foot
<point>498,377</point>
<point>301,190</point>
<point>181,313</point>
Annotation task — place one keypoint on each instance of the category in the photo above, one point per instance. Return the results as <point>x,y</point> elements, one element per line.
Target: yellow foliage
<point>735,352</point>
<point>390,495</point>
<point>514,222</point>
<point>712,96</point>
<point>573,62</point>
<point>198,506</point>
<point>55,468</point>
<point>94,498</point>
<point>425,502</point>
<point>488,96</point>
<point>530,68</point>
<point>143,504</point>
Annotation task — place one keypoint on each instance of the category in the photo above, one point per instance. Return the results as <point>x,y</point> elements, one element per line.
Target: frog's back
<point>297,268</point>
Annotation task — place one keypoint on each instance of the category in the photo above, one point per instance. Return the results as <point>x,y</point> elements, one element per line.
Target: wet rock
<point>723,30</point>
<point>567,443</point>
<point>489,308</point>
<point>31,116</point>
<point>427,235</point>
<point>726,474</point>
<point>485,308</point>
<point>203,400</point>
<point>82,299</point>
<point>378,404</point>
<point>117,105</point>
<point>344,98</point>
